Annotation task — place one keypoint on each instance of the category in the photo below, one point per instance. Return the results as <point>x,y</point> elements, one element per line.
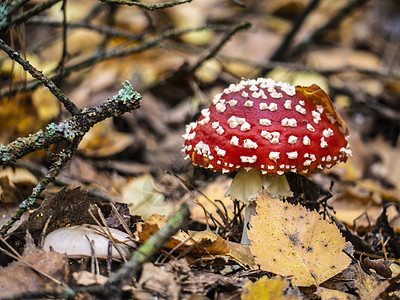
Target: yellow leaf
<point>15,184</point>
<point>103,140</point>
<point>144,199</point>
<point>265,288</point>
<point>290,240</point>
<point>47,105</point>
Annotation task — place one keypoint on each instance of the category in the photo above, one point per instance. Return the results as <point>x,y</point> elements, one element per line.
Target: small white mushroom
<point>74,241</point>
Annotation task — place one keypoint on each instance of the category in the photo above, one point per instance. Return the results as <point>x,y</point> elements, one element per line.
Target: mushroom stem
<point>246,187</point>
<point>249,211</point>
<point>247,184</point>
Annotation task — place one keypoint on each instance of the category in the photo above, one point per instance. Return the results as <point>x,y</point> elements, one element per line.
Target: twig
<point>115,53</point>
<point>150,7</point>
<point>63,157</point>
<point>7,10</point>
<point>333,23</point>
<point>64,54</point>
<point>31,12</point>
<point>150,248</point>
<point>14,55</point>
<point>303,67</point>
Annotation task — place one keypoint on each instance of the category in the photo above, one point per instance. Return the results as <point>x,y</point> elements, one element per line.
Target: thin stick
<point>383,244</point>
<point>150,7</point>
<point>147,250</point>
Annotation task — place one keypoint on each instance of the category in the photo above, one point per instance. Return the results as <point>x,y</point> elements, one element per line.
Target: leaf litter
<point>122,157</point>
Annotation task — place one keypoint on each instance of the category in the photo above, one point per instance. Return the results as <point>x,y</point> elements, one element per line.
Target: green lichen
<point>126,94</point>
<point>64,127</point>
<point>51,128</point>
<point>4,154</point>
<point>3,14</point>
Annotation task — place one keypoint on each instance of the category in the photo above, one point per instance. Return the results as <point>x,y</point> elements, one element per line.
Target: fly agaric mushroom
<point>265,129</point>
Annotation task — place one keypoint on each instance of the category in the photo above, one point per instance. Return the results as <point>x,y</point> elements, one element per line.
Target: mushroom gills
<point>247,184</point>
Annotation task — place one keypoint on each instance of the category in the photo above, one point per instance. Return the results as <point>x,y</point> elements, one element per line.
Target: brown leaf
<point>365,283</point>
<point>15,185</point>
<point>204,244</point>
<point>328,294</point>
<point>18,277</point>
<point>318,96</point>
<point>86,278</point>
<point>381,266</point>
<point>155,280</point>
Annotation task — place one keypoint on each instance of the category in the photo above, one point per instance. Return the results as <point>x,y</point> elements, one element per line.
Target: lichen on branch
<point>72,130</point>
<point>126,100</point>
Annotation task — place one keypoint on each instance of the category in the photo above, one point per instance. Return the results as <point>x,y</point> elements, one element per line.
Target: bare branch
<point>150,7</point>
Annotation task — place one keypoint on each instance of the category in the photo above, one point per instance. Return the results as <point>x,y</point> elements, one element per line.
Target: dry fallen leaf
<point>328,294</point>
<point>19,277</point>
<point>318,96</point>
<point>364,282</point>
<point>15,184</point>
<point>267,289</point>
<point>290,240</point>
<point>144,199</point>
<point>86,278</point>
<point>103,140</point>
<point>155,280</point>
<point>204,244</point>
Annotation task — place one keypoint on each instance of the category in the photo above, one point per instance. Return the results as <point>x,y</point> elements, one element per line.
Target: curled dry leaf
<point>317,96</point>
<point>290,240</point>
<point>204,244</point>
<point>15,184</point>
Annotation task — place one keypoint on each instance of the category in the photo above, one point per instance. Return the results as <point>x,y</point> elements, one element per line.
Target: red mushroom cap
<point>273,127</point>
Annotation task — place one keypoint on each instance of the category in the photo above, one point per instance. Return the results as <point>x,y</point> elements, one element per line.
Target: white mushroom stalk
<point>247,185</point>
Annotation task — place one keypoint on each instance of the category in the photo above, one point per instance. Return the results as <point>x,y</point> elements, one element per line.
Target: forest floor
<point>129,171</point>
